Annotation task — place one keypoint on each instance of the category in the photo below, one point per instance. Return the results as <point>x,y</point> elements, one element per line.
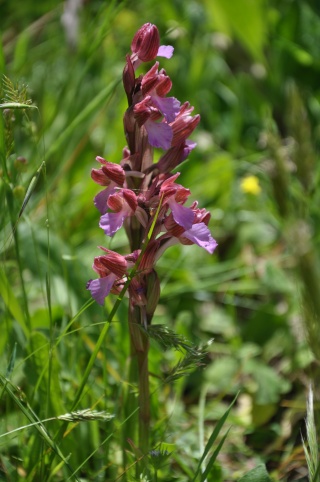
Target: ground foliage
<point>251,69</point>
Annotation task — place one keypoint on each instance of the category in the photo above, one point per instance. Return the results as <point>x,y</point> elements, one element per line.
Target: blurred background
<point>251,70</point>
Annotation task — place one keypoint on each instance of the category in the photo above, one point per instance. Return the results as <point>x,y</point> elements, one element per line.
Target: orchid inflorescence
<point>137,189</point>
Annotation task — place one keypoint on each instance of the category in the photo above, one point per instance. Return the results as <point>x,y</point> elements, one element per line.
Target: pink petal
<point>169,106</point>
<point>100,288</point>
<point>100,200</point>
<point>165,51</point>
<point>182,215</point>
<point>199,234</point>
<point>112,222</point>
<point>159,134</point>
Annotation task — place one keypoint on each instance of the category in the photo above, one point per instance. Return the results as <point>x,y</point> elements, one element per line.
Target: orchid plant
<point>144,197</point>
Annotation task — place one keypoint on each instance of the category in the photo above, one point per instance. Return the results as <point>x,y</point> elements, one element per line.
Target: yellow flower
<point>250,185</point>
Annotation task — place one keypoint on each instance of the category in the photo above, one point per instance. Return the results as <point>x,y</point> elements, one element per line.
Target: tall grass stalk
<point>311,444</point>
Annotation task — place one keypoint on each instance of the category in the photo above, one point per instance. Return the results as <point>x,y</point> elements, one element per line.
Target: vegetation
<point>235,337</point>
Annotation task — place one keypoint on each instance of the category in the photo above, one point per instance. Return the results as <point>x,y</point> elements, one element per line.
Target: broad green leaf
<point>261,414</point>
<point>269,384</point>
<point>258,474</point>
<point>222,373</point>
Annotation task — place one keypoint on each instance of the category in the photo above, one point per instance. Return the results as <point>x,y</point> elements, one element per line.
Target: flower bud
<point>128,79</point>
<point>20,164</point>
<point>112,262</point>
<point>146,42</point>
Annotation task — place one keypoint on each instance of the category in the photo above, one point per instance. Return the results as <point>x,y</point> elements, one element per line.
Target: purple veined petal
<point>100,200</point>
<point>182,215</point>
<point>200,235</point>
<point>169,106</point>
<point>112,222</point>
<point>159,134</point>
<point>100,288</point>
<point>165,51</point>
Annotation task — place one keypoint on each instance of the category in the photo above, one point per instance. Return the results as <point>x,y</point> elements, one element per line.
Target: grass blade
<point>17,105</point>
<point>11,301</point>
<point>213,458</point>
<point>32,417</point>
<point>213,438</point>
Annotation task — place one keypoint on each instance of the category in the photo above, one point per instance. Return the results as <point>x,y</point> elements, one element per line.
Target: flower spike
<point>137,189</point>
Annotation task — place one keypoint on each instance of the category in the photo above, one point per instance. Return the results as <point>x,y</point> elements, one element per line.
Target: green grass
<point>251,71</point>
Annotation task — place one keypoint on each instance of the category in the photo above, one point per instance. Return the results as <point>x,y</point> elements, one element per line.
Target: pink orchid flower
<point>124,204</point>
<point>175,195</point>
<point>110,268</point>
<point>110,175</point>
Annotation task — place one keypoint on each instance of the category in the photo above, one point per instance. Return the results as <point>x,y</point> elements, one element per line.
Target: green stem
<point>10,202</point>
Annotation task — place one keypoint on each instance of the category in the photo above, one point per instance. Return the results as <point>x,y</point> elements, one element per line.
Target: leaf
<point>19,399</point>
<point>261,414</point>
<point>11,301</point>
<point>245,19</point>
<point>16,105</point>
<point>93,106</point>
<point>2,59</point>
<point>31,188</point>
<point>12,361</point>
<point>213,184</point>
<point>222,373</point>
<point>258,474</point>
<point>167,338</point>
<point>213,459</point>
<point>194,358</point>
<point>270,384</point>
<point>212,439</point>
<point>43,372</point>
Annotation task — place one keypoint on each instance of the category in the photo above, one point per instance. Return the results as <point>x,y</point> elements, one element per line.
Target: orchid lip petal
<point>159,134</point>
<point>169,106</point>
<point>100,288</point>
<point>199,234</point>
<point>112,222</point>
<point>100,200</point>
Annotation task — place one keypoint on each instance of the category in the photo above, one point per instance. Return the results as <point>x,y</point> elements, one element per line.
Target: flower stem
<point>139,367</point>
<point>144,396</point>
